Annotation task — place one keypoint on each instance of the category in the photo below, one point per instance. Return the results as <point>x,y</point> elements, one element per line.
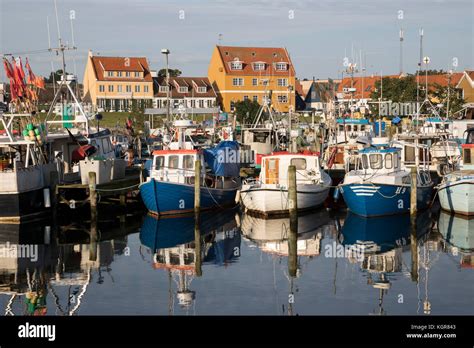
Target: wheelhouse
<point>275,167</point>
<point>175,166</point>
<point>379,160</point>
<point>468,150</point>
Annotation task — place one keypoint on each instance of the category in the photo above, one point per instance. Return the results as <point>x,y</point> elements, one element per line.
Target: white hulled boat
<point>269,194</point>
<point>456,191</point>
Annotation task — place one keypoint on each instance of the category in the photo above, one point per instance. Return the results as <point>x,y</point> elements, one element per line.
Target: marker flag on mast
<point>34,80</point>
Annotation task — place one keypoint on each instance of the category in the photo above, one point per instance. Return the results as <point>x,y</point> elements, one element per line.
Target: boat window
<point>365,162</point>
<point>356,128</point>
<point>467,155</point>
<point>388,161</point>
<point>159,162</point>
<point>272,164</point>
<point>348,127</point>
<point>299,163</point>
<point>188,161</point>
<point>395,160</point>
<point>362,127</point>
<point>341,128</point>
<point>173,162</point>
<point>106,145</point>
<point>260,137</point>
<point>376,161</point>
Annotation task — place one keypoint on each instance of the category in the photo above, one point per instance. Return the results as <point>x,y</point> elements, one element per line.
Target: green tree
<point>440,94</point>
<point>246,110</point>
<point>172,72</point>
<point>398,90</point>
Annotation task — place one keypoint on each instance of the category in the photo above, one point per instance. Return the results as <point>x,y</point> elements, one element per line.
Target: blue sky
<point>318,36</point>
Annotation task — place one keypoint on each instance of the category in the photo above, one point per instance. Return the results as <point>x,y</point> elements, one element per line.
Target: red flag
<point>8,68</point>
<point>39,82</point>
<point>31,77</point>
<point>20,68</point>
<point>19,82</point>
<point>13,90</point>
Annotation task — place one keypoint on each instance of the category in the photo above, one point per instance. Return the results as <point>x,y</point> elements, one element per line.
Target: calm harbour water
<point>148,266</point>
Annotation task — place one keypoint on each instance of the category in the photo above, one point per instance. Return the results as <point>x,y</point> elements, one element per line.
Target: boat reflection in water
<point>378,244</point>
<point>35,263</point>
<point>181,246</point>
<point>273,237</point>
<point>458,232</point>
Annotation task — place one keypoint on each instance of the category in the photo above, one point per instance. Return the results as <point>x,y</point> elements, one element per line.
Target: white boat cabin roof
<point>275,166</point>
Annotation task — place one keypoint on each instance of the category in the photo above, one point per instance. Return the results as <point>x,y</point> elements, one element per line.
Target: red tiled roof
<point>299,88</point>
<point>441,79</point>
<point>368,83</point>
<point>124,64</point>
<point>249,55</point>
<point>190,82</point>
<point>471,74</point>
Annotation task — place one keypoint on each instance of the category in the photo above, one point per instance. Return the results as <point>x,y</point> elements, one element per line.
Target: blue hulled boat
<point>169,188</point>
<point>379,186</point>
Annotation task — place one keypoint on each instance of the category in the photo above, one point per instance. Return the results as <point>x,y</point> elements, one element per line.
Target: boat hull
<point>458,196</point>
<point>22,206</point>
<point>272,201</point>
<point>383,199</point>
<point>165,198</point>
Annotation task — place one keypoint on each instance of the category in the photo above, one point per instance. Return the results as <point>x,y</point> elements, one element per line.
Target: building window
<point>137,74</point>
<point>209,103</point>
<point>281,66</point>
<point>137,88</point>
<point>183,89</point>
<point>254,82</point>
<point>119,73</point>
<point>201,103</point>
<point>232,105</point>
<point>202,89</point>
<point>193,103</point>
<point>246,97</point>
<point>110,73</point>
<point>237,81</point>
<point>264,82</point>
<point>282,99</point>
<point>258,66</point>
<point>282,82</point>
<point>101,88</point>
<point>236,65</point>
<point>129,88</point>
<point>111,88</point>
<point>145,89</point>
<point>127,74</point>
<point>255,98</point>
<point>119,88</point>
<point>163,89</point>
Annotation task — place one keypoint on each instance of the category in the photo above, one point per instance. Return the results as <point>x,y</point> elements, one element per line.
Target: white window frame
<point>145,89</point>
<point>282,99</point>
<point>259,66</point>
<point>281,66</point>
<point>254,82</point>
<point>282,82</point>
<point>128,88</point>
<point>236,65</point>
<point>101,88</point>
<point>237,81</point>
<point>119,88</point>
<point>111,88</point>
<point>127,74</point>
<point>183,89</point>
<point>163,89</point>
<point>201,89</point>
<point>137,88</point>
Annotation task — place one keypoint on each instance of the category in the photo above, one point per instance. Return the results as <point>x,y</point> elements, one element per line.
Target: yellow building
<point>118,83</point>
<point>239,73</point>
<point>466,84</point>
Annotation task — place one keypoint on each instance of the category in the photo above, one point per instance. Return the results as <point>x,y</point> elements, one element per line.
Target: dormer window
<point>281,66</point>
<point>202,89</point>
<point>183,89</point>
<point>137,74</point>
<point>236,65</point>
<point>163,89</point>
<point>258,66</point>
<point>110,73</point>
<point>119,73</point>
<point>127,74</point>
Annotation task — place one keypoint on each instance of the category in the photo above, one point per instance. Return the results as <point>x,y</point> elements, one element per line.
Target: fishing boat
<point>456,191</point>
<point>24,170</point>
<point>170,187</point>
<point>379,186</point>
<point>269,194</point>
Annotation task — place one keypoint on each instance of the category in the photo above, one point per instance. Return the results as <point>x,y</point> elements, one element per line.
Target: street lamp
<point>166,52</point>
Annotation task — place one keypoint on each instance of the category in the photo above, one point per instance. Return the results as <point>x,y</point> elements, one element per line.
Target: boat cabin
<point>436,125</point>
<point>275,168</point>
<point>374,160</point>
<point>348,129</point>
<point>175,166</point>
<point>468,150</point>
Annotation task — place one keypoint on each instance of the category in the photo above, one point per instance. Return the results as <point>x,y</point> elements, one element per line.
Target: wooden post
<point>93,204</point>
<point>413,194</point>
<point>123,200</point>
<point>197,186</point>
<point>197,245</point>
<point>93,195</point>
<point>293,210</point>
